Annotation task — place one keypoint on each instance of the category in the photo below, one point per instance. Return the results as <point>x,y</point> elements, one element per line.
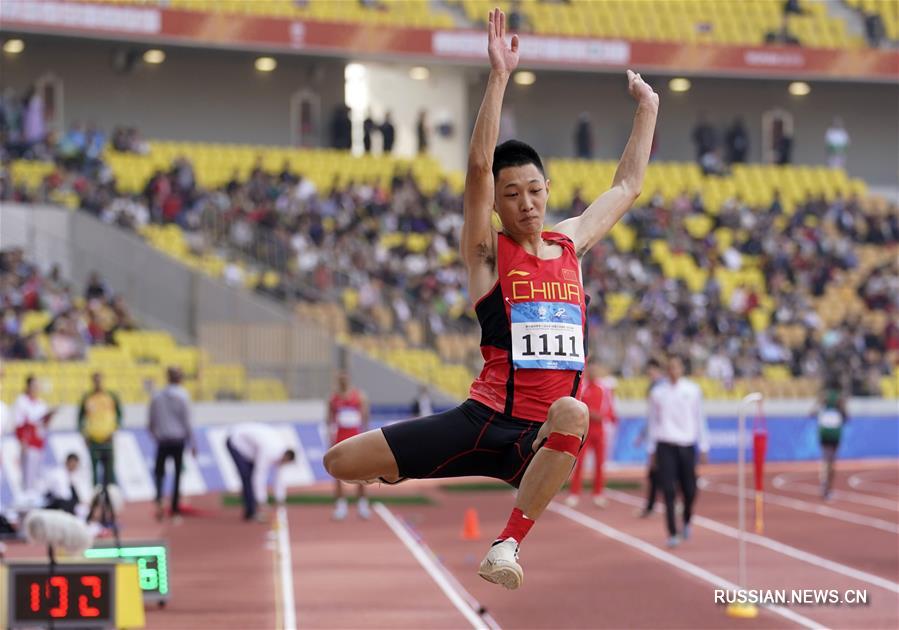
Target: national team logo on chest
<point>570,275</point>
<point>546,290</point>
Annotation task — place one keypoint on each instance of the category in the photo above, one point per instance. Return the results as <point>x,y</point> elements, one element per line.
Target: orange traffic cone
<point>471,529</point>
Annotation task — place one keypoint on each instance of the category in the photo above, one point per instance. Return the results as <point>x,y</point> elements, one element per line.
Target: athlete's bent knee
<point>569,415</point>
<point>336,462</point>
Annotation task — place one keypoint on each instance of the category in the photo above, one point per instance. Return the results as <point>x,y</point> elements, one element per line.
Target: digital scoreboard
<point>73,596</point>
<point>151,558</point>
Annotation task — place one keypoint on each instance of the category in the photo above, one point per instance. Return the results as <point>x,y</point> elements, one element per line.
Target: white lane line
<point>668,558</point>
<point>804,506</point>
<point>285,564</point>
<point>771,544</point>
<point>856,481</point>
<point>430,566</point>
<point>784,482</point>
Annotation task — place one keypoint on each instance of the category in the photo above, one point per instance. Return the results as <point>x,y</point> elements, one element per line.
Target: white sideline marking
<point>286,569</point>
<point>668,558</point>
<point>774,545</point>
<point>785,482</point>
<point>822,510</point>
<point>430,566</point>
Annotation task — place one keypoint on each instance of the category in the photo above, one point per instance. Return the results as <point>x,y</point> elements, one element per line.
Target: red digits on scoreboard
<point>92,581</point>
<point>35,600</point>
<point>63,585</point>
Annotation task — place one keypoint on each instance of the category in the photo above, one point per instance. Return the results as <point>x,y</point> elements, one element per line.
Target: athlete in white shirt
<point>677,425</point>
<point>257,450</point>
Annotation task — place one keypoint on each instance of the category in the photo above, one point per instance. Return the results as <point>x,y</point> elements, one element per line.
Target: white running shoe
<point>500,565</point>
<point>572,500</point>
<point>364,509</point>
<point>340,510</point>
<point>600,501</point>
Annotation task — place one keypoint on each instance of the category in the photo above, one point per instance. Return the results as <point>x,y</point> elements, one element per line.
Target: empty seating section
<point>400,13</point>
<point>134,367</point>
<point>215,164</point>
<point>754,184</point>
<point>729,22</point>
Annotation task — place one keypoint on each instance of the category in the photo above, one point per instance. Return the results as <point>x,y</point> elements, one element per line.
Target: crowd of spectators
<point>334,245</point>
<point>817,245</point>
<point>75,323</point>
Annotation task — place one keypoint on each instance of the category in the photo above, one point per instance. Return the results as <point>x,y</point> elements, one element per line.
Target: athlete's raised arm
<point>596,221</point>
<point>478,236</point>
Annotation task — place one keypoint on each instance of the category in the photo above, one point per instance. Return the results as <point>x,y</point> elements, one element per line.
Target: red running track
<point>358,574</point>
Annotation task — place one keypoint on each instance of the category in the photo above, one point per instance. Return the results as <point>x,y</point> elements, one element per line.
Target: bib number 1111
<point>559,344</point>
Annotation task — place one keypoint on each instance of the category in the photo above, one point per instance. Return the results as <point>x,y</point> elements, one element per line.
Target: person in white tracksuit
<point>258,449</point>
<point>31,416</point>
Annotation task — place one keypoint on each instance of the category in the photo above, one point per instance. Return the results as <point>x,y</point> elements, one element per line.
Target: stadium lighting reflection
<point>266,64</point>
<point>154,55</point>
<point>13,46</point>
<point>679,84</point>
<point>419,73</point>
<point>799,88</point>
<point>525,78</point>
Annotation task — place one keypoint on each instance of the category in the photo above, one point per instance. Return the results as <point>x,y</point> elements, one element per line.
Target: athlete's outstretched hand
<point>503,58</point>
<point>640,89</point>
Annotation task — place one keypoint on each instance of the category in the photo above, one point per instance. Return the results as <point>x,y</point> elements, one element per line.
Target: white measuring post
<point>754,397</point>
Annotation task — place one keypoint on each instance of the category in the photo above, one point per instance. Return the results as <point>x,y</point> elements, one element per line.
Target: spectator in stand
<point>341,128</point>
<point>875,31</point>
<point>737,141</point>
<point>783,35</point>
<point>837,140</point>
<point>792,6</point>
<point>583,137</point>
<point>388,133</point>
<point>705,138</point>
<point>422,132</point>
<point>712,164</point>
<point>518,22</point>
<point>31,416</point>
<point>368,128</point>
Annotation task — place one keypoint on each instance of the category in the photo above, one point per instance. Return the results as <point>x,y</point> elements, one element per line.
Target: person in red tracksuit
<point>347,417</point>
<point>599,398</point>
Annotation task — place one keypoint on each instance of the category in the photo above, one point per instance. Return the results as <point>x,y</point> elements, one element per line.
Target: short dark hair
<point>290,455</point>
<point>29,380</point>
<point>72,457</point>
<point>515,153</point>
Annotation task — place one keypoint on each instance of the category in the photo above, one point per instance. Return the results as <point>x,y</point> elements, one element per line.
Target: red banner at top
<point>157,24</point>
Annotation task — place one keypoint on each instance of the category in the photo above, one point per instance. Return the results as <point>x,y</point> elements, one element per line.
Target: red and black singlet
<point>533,331</point>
